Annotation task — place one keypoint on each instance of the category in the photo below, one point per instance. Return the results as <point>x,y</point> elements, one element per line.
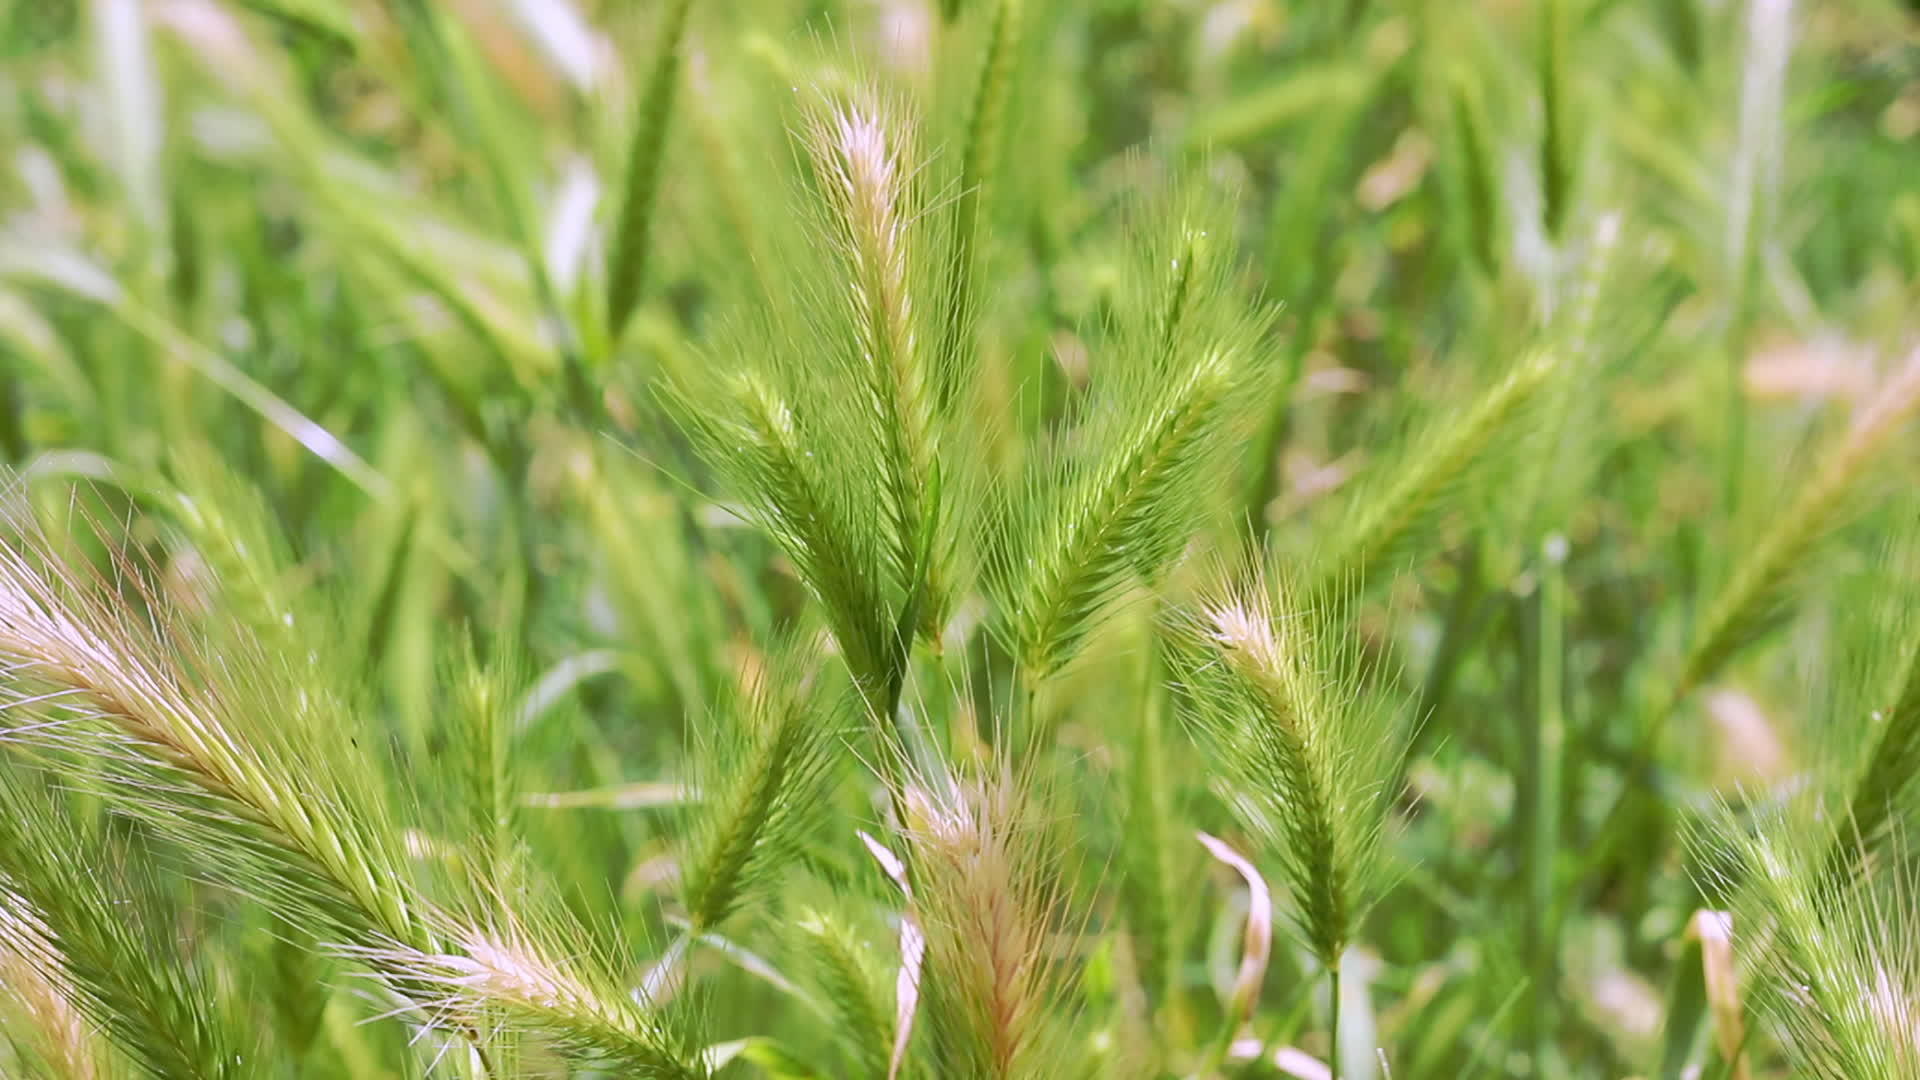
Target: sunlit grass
<point>958,538</point>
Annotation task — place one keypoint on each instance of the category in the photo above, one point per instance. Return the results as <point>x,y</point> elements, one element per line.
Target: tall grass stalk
<point>850,988</point>
<point>978,169</point>
<point>653,110</point>
<point>1548,769</point>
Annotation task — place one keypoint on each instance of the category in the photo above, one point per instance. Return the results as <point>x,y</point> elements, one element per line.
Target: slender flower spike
<point>867,175</point>
<point>1302,752</point>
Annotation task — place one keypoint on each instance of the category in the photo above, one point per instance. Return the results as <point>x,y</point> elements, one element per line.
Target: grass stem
<point>1335,1058</point>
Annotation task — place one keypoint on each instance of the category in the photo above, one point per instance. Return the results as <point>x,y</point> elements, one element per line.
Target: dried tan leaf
<point>1714,931</point>
<point>1747,750</point>
<point>913,952</point>
<point>1258,942</point>
<point>1820,367</point>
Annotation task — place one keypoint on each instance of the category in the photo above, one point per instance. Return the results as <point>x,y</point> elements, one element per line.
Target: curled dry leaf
<point>1258,943</point>
<point>1714,931</point>
<point>913,951</point>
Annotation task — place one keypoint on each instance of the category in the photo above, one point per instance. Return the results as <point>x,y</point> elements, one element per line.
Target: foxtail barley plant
<point>939,540</point>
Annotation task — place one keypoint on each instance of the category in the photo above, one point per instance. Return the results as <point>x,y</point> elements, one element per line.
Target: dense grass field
<point>960,539</point>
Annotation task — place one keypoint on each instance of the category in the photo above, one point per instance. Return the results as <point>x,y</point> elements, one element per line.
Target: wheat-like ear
<point>868,178</point>
<point>90,949</point>
<point>849,982</point>
<point>1183,371</point>
<point>987,895</point>
<point>1886,781</point>
<point>1301,753</point>
<point>228,524</point>
<point>1387,516</point>
<point>152,693</point>
<point>762,773</point>
<point>1137,497</point>
<point>483,707</point>
<point>47,1033</point>
<point>1835,960</point>
<point>752,431</point>
<point>527,976</point>
<point>1744,606</point>
<point>39,1019</point>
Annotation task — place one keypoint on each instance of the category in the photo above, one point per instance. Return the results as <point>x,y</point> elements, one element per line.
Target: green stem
<point>1548,749</point>
<point>1736,400</point>
<point>1029,729</point>
<point>1333,1018</point>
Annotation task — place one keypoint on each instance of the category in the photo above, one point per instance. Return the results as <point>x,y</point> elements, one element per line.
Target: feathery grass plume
<point>1860,736</point>
<point>1886,782</point>
<point>1132,493</point>
<point>151,689</point>
<point>1383,519</point>
<point>849,982</point>
<point>807,502</point>
<point>762,770</point>
<point>1137,497</point>
<point>228,523</point>
<point>101,942</point>
<point>1744,607</point>
<point>1478,186</point>
<point>632,244</point>
<point>1304,756</point>
<point>38,1017</point>
<point>1183,289</point>
<point>867,170</point>
<point>485,705</point>
<point>1837,968</point>
<point>988,897</point>
<point>978,168</point>
<point>1556,155</point>
<point>175,712</point>
<point>528,973</point>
